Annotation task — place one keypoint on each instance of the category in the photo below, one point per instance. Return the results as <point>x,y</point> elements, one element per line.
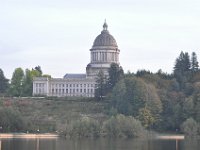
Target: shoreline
<point>55,136</point>
<point>28,136</point>
<point>170,137</point>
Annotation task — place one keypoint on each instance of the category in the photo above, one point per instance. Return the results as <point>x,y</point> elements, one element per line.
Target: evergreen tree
<point>3,82</point>
<point>115,74</point>
<point>187,63</point>
<point>194,62</point>
<point>100,91</point>
<point>182,69</point>
<point>182,64</point>
<point>143,72</point>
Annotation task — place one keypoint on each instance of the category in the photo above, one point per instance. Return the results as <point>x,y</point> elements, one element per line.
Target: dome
<point>105,39</point>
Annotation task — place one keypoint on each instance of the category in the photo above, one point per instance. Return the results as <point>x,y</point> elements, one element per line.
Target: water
<point>98,144</point>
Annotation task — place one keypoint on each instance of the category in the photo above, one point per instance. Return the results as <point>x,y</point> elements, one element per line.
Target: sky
<point>57,34</point>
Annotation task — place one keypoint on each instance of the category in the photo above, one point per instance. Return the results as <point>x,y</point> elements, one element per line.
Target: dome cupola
<point>105,38</point>
<point>103,53</point>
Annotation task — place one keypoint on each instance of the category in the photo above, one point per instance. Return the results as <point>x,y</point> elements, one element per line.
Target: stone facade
<point>62,87</point>
<point>103,52</point>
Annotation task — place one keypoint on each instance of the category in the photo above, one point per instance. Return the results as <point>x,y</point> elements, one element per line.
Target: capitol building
<point>103,53</point>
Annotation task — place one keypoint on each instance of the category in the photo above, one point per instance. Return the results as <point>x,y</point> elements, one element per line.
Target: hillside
<point>50,115</point>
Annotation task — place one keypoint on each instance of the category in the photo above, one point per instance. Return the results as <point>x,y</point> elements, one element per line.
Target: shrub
<point>11,120</point>
<point>190,127</point>
<point>85,127</point>
<point>122,126</point>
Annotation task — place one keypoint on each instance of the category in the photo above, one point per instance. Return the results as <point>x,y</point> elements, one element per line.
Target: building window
<point>52,90</point>
<point>91,90</point>
<point>63,90</point>
<point>81,90</point>
<point>77,90</point>
<point>70,85</point>
<point>66,90</point>
<point>63,85</point>
<point>84,90</point>
<point>73,90</point>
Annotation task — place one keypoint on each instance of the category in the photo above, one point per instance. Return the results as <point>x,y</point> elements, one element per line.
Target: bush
<point>122,126</point>
<point>85,127</point>
<point>11,120</point>
<point>190,127</point>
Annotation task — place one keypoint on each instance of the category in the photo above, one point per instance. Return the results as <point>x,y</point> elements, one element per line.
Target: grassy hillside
<point>53,114</point>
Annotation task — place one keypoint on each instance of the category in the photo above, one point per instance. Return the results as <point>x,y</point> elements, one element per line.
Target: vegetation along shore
<point>125,104</point>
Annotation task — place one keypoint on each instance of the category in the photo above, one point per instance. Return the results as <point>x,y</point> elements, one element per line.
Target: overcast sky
<point>57,34</point>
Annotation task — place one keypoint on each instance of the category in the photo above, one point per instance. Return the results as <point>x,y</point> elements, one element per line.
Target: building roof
<point>105,38</point>
<point>74,76</point>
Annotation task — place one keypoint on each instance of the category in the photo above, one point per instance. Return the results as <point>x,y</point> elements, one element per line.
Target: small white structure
<point>103,53</point>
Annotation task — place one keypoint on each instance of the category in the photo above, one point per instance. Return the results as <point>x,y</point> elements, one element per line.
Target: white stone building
<point>103,52</point>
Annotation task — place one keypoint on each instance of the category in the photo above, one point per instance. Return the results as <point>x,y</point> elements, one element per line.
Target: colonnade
<point>104,57</point>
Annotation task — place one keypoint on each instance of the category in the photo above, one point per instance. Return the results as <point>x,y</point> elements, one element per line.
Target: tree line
<point>21,83</point>
<point>161,101</point>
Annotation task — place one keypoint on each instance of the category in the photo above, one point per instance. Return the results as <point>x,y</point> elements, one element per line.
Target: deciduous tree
<point>38,68</point>
<point>27,84</point>
<point>16,82</point>
<point>128,96</point>
<point>146,117</point>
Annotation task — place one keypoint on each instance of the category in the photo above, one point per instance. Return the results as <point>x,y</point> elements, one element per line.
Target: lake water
<point>98,144</point>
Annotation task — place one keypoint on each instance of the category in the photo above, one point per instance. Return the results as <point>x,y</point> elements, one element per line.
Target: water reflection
<point>98,144</point>
<point>176,144</point>
<point>38,144</point>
